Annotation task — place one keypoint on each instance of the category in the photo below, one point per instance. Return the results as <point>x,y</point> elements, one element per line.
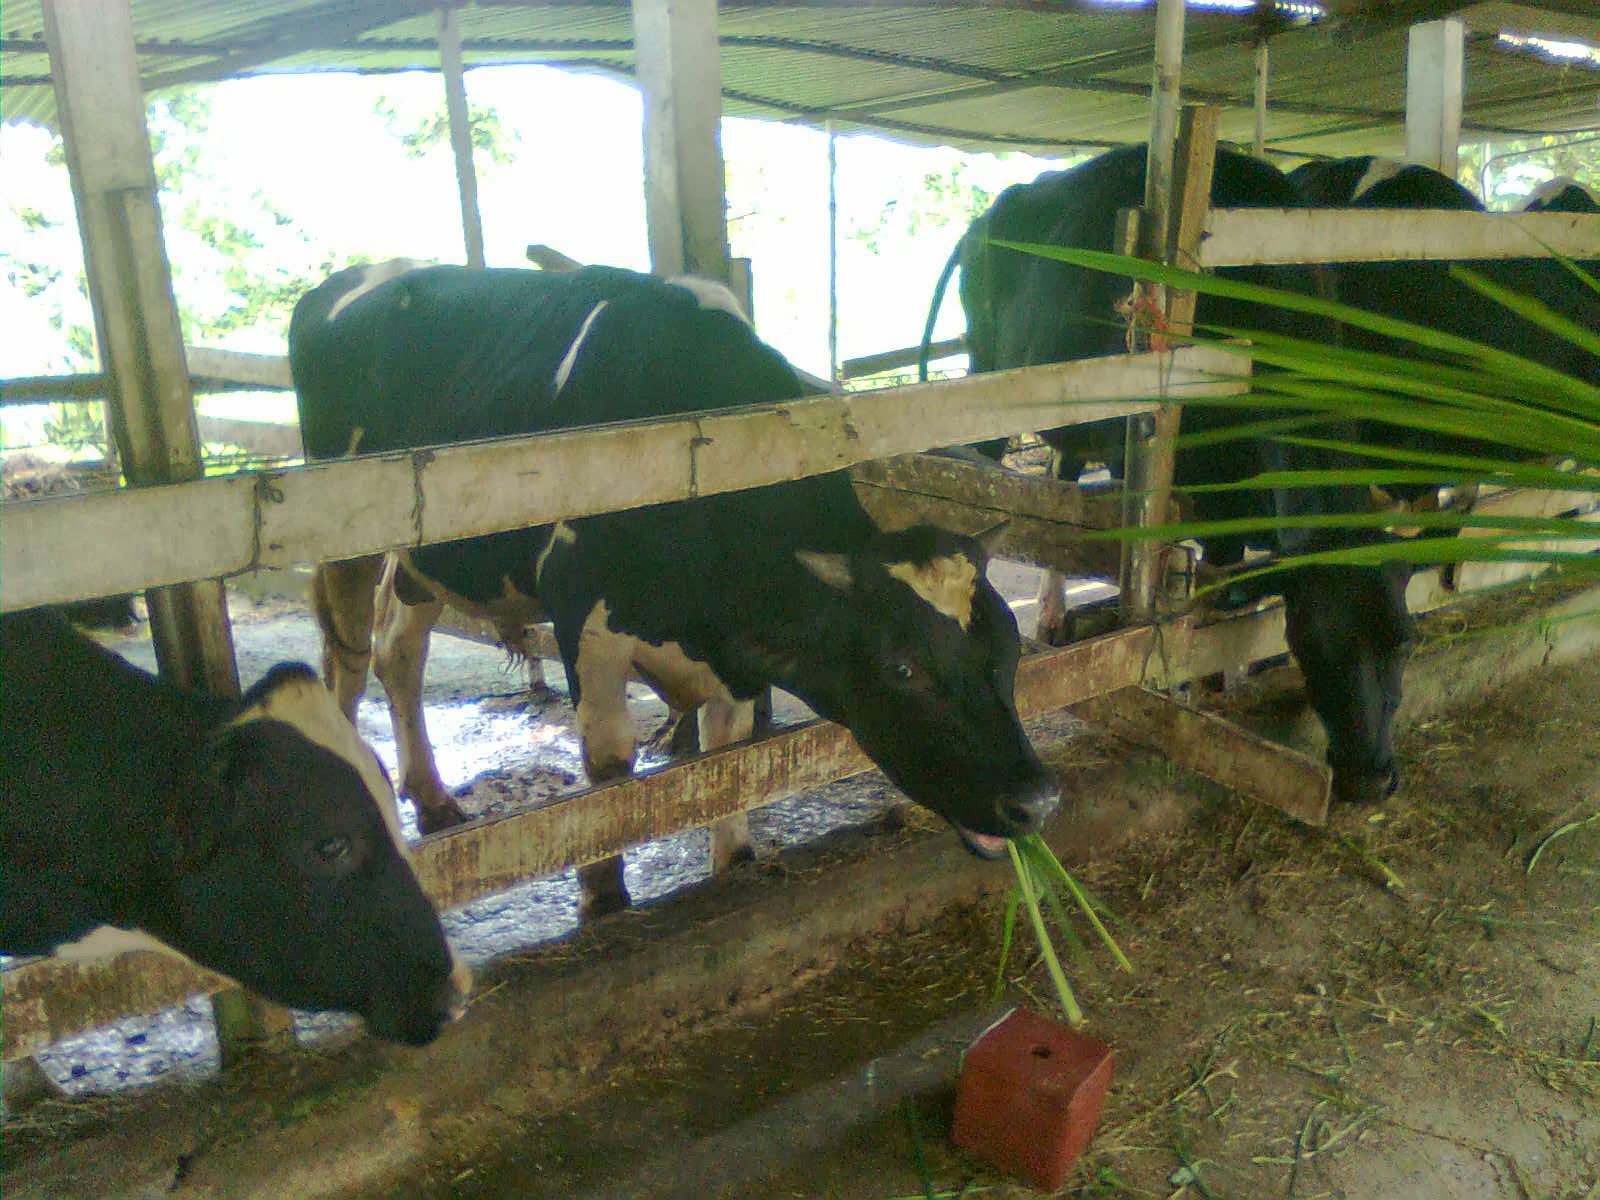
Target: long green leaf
<point>1043,860</point>
<point>1069,1002</point>
<point>1529,309</point>
<point>1215,285</point>
<point>1418,552</point>
<point>1519,526</point>
<point>1248,430</point>
<point>1007,932</point>
<point>1478,382</point>
<point>1528,474</point>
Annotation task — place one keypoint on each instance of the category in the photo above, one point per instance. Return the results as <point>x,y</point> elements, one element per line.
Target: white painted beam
<point>1263,67</point>
<point>1243,236</point>
<point>229,525</point>
<point>678,64</point>
<point>1435,84</point>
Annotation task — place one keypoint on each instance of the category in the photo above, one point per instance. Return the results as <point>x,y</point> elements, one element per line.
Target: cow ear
<point>193,833</point>
<point>832,569</point>
<point>989,539</point>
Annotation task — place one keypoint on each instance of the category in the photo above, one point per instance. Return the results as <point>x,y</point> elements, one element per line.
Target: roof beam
<point>327,24</point>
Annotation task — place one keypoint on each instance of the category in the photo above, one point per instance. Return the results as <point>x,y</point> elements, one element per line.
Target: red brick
<point>1030,1096</point>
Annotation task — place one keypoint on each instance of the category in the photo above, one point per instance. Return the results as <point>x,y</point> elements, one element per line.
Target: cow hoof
<point>432,818</point>
<point>1053,633</point>
<point>602,890</point>
<point>25,1085</point>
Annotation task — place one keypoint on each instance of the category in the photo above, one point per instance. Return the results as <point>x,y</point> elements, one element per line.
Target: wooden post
<point>1147,465</point>
<point>1164,102</point>
<point>680,72</point>
<point>833,256</point>
<point>1151,448</point>
<point>98,96</point>
<point>1260,143</point>
<point>1435,71</point>
<point>677,58</point>
<point>455,102</point>
<point>101,107</point>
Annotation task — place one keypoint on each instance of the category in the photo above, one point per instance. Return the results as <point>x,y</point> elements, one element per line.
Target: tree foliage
<point>239,262</point>
<point>1503,172</point>
<point>947,199</point>
<point>421,135</point>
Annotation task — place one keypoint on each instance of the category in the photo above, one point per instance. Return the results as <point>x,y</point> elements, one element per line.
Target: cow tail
<point>933,311</point>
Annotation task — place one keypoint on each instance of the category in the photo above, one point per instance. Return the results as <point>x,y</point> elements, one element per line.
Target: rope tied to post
<point>1144,312</point>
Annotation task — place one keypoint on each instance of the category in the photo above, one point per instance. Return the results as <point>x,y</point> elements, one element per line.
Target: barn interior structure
<point>1294,81</point>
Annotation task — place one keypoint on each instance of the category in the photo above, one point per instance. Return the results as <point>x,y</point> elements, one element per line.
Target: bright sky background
<point>314,145</point>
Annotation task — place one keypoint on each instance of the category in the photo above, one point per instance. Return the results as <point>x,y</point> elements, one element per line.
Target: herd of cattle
<point>260,837</point>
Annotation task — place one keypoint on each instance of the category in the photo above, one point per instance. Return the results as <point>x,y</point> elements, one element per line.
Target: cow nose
<point>1030,810</point>
<point>1369,786</point>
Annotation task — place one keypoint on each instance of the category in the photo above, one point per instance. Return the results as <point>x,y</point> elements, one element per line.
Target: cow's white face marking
<point>1381,170</point>
<point>108,941</point>
<point>562,535</point>
<point>310,708</point>
<point>711,293</point>
<point>947,582</point>
<point>564,371</point>
<point>374,276</point>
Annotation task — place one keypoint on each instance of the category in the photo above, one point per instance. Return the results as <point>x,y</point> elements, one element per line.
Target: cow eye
<point>334,850</point>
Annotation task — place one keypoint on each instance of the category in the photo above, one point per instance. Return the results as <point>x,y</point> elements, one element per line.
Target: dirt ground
<point>1402,1005</point>
<point>1395,1007</point>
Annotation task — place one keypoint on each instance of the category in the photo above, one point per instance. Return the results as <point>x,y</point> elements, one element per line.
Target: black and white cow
<point>1561,194</point>
<point>1348,627</point>
<point>1426,294</point>
<point>897,636</point>
<point>258,838</point>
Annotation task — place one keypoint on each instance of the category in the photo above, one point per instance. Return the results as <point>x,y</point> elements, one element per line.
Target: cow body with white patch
<point>898,636</point>
<point>256,837</point>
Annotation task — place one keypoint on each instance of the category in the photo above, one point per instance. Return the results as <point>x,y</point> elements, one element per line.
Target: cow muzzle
<point>1017,814</point>
<point>1365,786</point>
<point>417,1020</point>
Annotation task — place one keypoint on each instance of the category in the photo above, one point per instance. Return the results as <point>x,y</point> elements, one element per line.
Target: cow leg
<point>400,654</point>
<point>606,731</point>
<point>342,599</point>
<point>723,722</point>
<point>1052,629</point>
<point>23,1084</point>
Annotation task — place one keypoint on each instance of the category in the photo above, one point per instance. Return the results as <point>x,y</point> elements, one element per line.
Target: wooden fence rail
<point>47,999</point>
<point>227,525</point>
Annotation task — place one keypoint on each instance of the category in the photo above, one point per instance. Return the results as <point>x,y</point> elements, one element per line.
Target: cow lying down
<point>257,837</point>
<point>897,636</point>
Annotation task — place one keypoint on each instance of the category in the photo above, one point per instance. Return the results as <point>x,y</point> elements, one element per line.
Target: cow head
<point>913,650</point>
<point>301,834</point>
<point>1349,630</point>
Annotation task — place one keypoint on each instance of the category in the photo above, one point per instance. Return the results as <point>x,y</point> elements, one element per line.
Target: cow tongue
<point>984,845</point>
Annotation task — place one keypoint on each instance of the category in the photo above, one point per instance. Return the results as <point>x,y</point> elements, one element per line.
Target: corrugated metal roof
<point>1044,77</point>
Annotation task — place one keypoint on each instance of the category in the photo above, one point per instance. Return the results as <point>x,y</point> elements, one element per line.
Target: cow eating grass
<point>898,636</point>
<point>1347,626</point>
